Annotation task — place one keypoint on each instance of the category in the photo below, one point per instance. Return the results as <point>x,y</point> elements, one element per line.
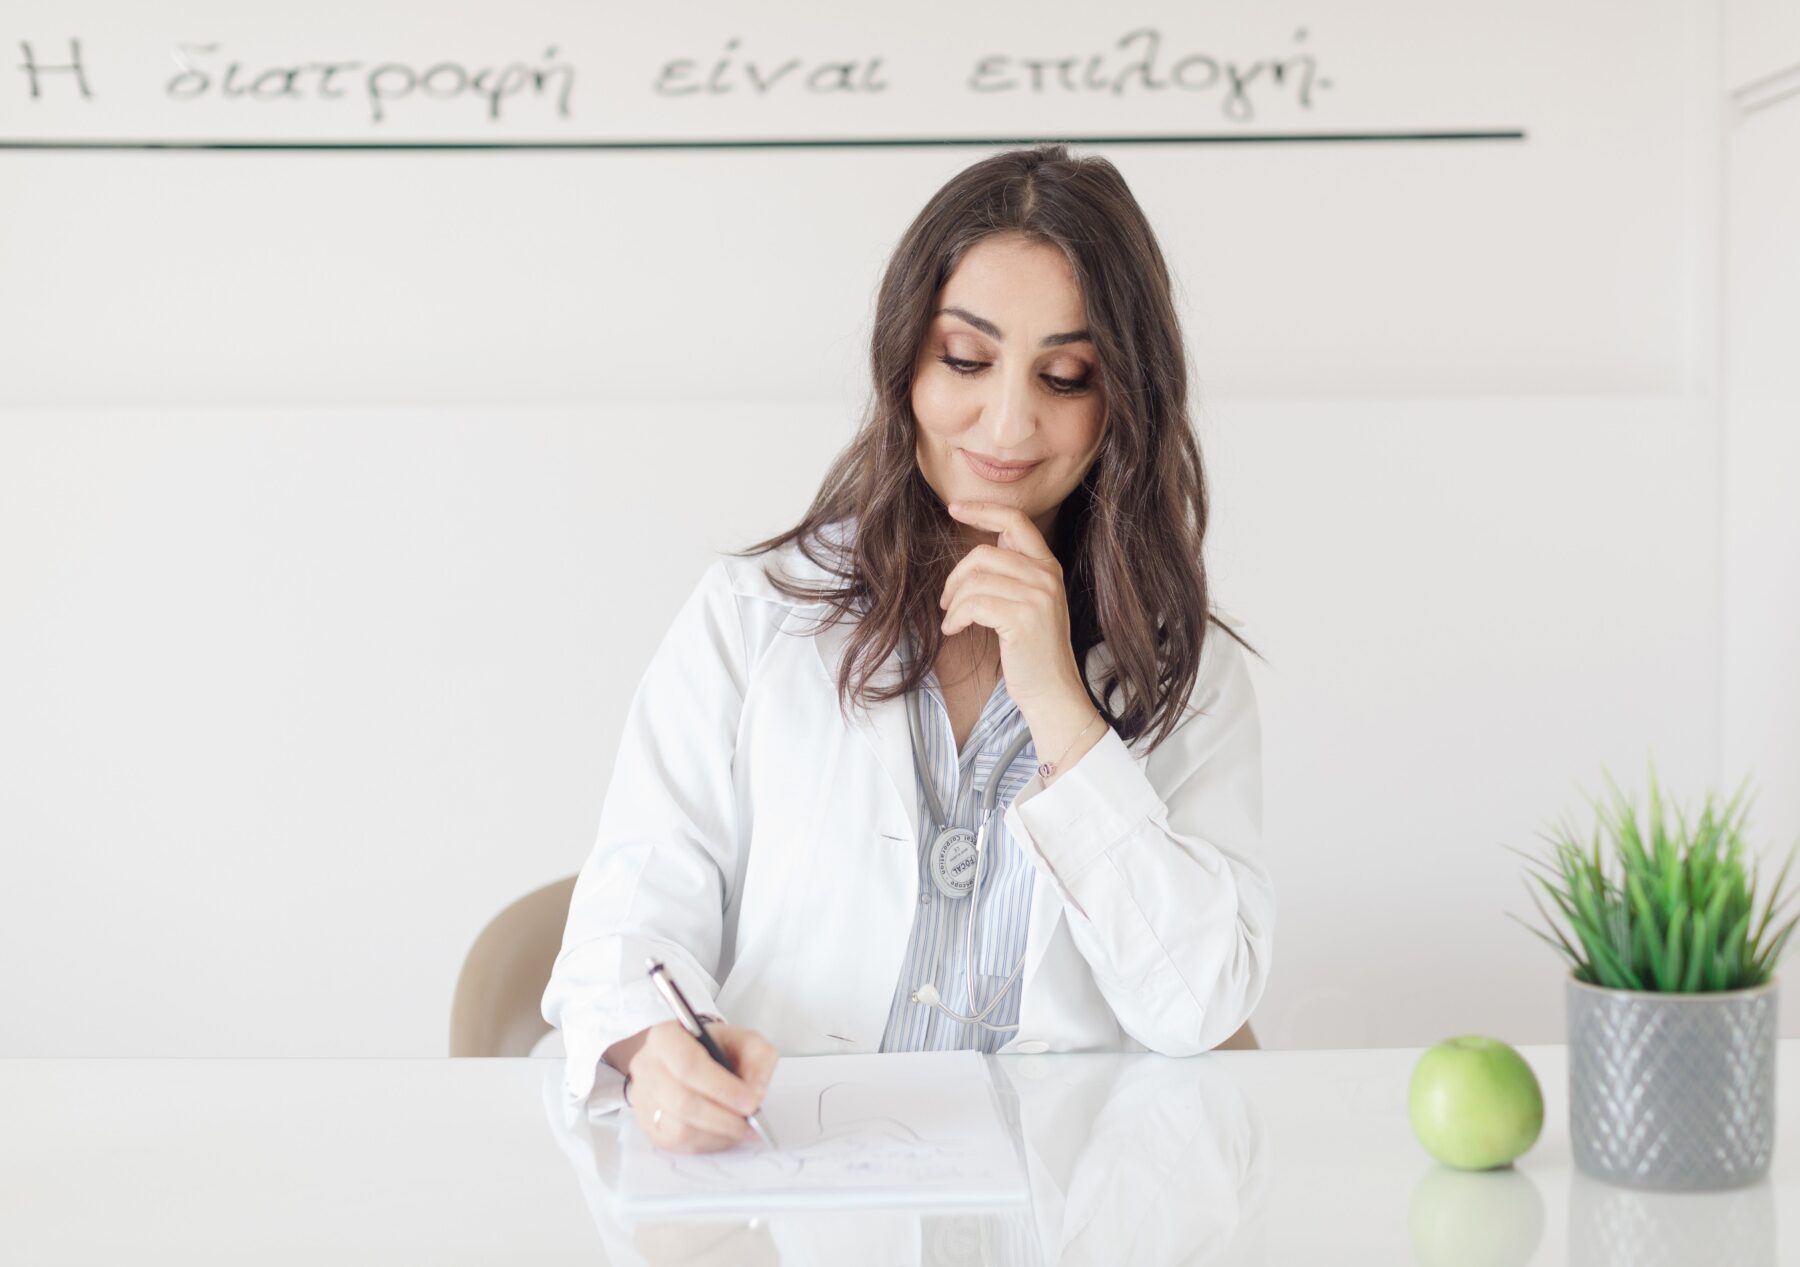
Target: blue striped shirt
<point>935,951</point>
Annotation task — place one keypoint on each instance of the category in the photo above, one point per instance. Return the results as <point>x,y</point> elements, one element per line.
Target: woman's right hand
<point>685,1101</point>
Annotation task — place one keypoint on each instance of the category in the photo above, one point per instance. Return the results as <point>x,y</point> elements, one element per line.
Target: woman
<point>1011,545</point>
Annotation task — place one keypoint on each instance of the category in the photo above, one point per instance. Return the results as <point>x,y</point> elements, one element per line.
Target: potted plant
<point>1671,995</point>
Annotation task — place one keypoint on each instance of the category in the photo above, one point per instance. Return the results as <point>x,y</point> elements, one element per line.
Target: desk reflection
<point>1131,1158</point>
<point>1613,1226</point>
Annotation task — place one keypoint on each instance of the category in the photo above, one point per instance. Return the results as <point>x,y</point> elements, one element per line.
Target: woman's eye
<point>1061,386</point>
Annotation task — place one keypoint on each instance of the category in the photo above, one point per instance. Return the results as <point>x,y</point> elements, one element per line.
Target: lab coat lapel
<point>883,726</point>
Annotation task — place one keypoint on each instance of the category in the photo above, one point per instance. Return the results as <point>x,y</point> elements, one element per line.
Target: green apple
<point>1474,1103</point>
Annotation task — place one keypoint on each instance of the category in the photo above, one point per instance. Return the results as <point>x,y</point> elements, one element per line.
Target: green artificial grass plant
<point>1677,917</point>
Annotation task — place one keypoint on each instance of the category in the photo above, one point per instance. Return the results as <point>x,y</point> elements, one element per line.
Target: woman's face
<point>1016,414</point>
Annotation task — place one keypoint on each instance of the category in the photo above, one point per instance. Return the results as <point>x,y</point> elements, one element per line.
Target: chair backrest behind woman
<point>495,1009</point>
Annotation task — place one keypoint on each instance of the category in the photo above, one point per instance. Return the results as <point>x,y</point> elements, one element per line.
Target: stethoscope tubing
<point>989,794</point>
<point>940,822</point>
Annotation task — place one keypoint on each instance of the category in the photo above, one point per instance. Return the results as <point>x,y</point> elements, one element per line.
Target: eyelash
<point>1061,386</point>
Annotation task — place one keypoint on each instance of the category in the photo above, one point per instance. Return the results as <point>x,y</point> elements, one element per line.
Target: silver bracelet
<point>1048,768</point>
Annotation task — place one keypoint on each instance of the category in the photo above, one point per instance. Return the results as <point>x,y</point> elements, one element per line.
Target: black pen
<point>693,1024</point>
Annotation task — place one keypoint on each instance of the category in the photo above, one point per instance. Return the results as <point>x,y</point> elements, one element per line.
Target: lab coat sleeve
<point>655,882</point>
<point>1158,862</point>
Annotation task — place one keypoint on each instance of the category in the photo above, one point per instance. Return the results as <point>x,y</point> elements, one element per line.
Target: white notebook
<point>894,1128</point>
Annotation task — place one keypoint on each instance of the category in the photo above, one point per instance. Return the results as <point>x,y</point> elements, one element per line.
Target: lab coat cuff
<point>1085,809</point>
<point>588,1033</point>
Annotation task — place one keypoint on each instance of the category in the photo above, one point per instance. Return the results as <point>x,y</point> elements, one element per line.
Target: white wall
<point>1761,302</point>
<point>336,518</point>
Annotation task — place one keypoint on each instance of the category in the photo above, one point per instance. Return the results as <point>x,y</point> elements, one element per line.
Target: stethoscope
<point>954,861</point>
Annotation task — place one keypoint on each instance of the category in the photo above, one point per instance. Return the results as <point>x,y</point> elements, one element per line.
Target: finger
<point>754,1055</point>
<point>1034,572</point>
<point>694,1066</point>
<point>676,1136</point>
<point>999,614</point>
<point>657,1109</point>
<point>688,1114</point>
<point>701,1115</point>
<point>995,585</point>
<point>1016,530</point>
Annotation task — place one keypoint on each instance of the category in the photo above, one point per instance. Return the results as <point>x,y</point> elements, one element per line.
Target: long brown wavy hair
<point>1128,537</point>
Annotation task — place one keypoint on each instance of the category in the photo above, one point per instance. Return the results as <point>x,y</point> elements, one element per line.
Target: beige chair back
<point>496,1008</point>
<point>1243,1040</point>
<point>499,994</point>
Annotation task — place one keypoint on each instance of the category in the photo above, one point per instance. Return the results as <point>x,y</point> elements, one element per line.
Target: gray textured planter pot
<point>1672,1091</point>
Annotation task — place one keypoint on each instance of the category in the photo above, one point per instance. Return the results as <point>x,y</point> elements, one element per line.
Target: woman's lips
<point>997,472</point>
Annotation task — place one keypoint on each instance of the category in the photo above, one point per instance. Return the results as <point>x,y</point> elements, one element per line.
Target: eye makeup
<point>1061,386</point>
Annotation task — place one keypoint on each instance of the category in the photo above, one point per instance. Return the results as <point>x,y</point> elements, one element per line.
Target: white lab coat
<point>764,847</point>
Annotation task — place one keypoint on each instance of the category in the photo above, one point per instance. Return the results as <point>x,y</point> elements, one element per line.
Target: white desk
<point>1232,1157</point>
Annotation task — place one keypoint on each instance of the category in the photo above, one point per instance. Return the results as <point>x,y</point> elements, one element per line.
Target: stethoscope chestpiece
<point>951,860</point>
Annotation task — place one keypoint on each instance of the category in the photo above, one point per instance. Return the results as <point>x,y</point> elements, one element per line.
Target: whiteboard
<point>557,73</point>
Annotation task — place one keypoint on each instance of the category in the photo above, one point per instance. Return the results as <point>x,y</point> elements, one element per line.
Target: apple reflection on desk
<point>1131,1158</point>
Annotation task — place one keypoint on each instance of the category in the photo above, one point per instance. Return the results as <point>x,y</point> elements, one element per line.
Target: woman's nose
<point>1012,416</point>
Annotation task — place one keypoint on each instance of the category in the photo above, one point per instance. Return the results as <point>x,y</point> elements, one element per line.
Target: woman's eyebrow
<point>993,331</point>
